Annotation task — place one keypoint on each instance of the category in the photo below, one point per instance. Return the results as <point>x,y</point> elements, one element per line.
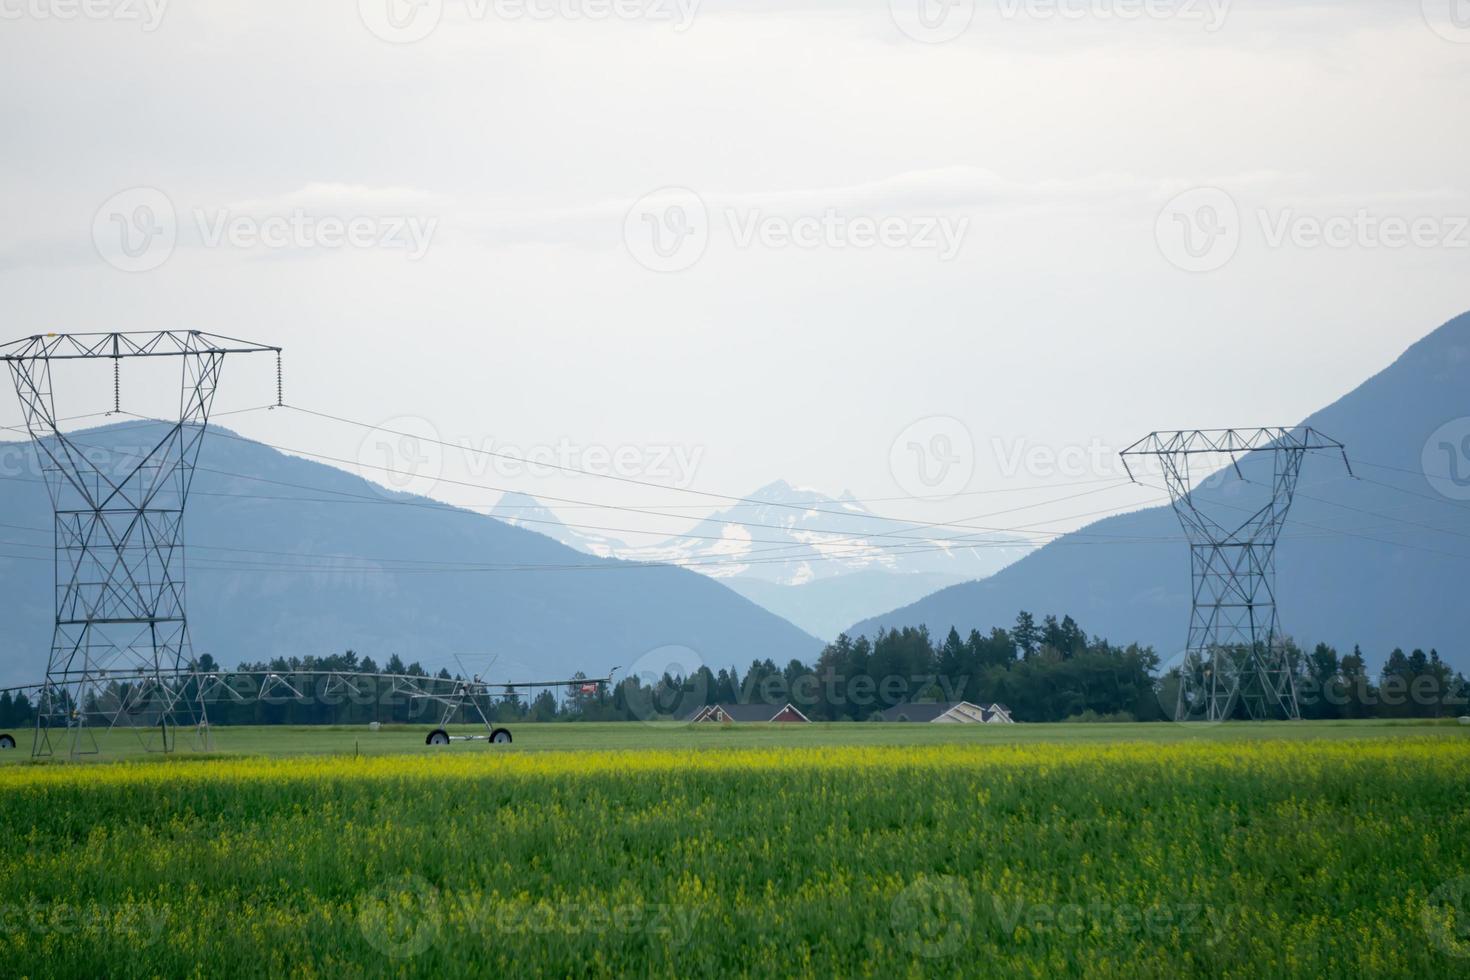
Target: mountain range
<point>821,562</point>
<point>289,557</point>
<point>1378,559</point>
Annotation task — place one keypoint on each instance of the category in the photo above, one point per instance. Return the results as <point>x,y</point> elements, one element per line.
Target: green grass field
<point>843,850</point>
<point>574,737</point>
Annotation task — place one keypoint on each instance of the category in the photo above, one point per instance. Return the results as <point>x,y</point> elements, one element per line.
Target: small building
<point>749,713</point>
<point>950,713</point>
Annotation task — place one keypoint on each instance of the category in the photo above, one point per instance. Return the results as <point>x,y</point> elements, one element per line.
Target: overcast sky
<point>864,246</point>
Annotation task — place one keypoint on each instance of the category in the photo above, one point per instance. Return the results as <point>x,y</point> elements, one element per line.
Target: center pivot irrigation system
<point>121,654</point>
<point>114,703</point>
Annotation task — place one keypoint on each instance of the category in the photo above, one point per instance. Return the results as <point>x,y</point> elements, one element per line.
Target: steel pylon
<point>121,633</point>
<point>1236,659</point>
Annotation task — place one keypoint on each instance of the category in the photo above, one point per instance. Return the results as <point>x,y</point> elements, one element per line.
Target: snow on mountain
<point>782,542</point>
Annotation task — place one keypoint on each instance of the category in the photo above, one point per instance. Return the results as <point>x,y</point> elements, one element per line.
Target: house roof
<point>928,711</point>
<point>920,711</point>
<point>746,712</point>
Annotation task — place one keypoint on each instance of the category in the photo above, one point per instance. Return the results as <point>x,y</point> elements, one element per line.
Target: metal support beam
<point>1235,661</point>
<point>118,541</point>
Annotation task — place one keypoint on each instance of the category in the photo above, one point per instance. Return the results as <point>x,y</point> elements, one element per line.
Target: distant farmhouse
<point>727,713</point>
<point>950,713</point>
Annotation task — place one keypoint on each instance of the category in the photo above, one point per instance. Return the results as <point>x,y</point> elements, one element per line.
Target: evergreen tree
<point>1025,635</point>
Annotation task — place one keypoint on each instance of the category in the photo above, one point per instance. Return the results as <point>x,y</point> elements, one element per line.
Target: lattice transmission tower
<point>119,540</point>
<point>1236,657</point>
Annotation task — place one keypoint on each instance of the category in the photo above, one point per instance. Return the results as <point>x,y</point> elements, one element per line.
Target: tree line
<point>1042,671</point>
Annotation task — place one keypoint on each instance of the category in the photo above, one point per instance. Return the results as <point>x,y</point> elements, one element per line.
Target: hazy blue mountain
<point>524,510</point>
<point>570,613</point>
<point>1381,561</point>
<point>820,562</point>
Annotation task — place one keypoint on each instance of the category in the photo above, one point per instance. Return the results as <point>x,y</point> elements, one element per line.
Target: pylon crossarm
<point>151,343</point>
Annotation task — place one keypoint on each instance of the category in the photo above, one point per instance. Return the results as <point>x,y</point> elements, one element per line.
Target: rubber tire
<point>6,742</point>
<point>500,736</point>
<point>437,737</point>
